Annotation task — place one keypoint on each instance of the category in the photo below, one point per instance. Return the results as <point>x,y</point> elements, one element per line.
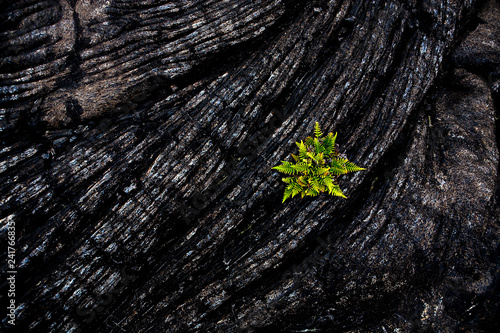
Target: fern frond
<point>329,183</point>
<point>312,192</point>
<point>296,189</point>
<point>338,166</point>
<point>321,181</point>
<point>309,141</point>
<point>302,181</point>
<point>286,167</point>
<point>302,150</point>
<point>323,171</point>
<point>312,156</point>
<point>287,194</point>
<point>329,143</point>
<point>336,191</point>
<point>296,158</point>
<point>315,184</point>
<point>317,131</point>
<point>301,167</point>
<point>318,147</point>
<point>287,180</point>
<point>320,159</point>
<point>351,167</point>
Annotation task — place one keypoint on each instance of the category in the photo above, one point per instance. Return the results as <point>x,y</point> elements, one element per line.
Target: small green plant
<point>317,167</point>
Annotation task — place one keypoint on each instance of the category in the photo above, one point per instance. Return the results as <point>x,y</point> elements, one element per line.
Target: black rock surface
<point>137,140</point>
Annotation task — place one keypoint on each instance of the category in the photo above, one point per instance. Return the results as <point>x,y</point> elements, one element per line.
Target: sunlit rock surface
<point>137,144</point>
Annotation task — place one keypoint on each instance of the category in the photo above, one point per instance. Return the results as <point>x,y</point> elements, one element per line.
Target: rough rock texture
<point>137,140</point>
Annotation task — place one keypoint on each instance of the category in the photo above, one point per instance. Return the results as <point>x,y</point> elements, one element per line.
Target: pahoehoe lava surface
<point>126,128</point>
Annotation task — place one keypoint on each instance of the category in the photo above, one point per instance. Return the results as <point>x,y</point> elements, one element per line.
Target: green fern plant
<point>317,167</point>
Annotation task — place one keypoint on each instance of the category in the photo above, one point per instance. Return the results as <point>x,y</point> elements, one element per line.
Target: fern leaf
<point>321,181</point>
<point>338,166</point>
<point>320,159</point>
<point>311,192</point>
<point>329,143</point>
<point>318,147</point>
<point>287,194</point>
<point>296,158</point>
<point>287,180</point>
<point>312,156</point>
<point>301,167</point>
<point>302,150</point>
<point>296,188</point>
<point>351,167</point>
<point>317,131</point>
<point>323,171</point>
<point>315,184</point>
<point>302,181</point>
<point>286,167</point>
<point>329,184</point>
<point>336,191</point>
<point>309,141</point>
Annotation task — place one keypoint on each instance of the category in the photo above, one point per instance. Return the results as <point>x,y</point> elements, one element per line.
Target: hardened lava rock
<point>138,137</point>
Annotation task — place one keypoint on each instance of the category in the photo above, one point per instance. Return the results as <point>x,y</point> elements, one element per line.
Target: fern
<point>317,167</point>
<point>288,193</point>
<point>337,166</point>
<point>329,144</point>
<point>337,191</point>
<point>302,150</point>
<point>318,147</point>
<point>300,167</point>
<point>317,131</point>
<point>351,167</point>
<point>286,167</point>
<point>309,141</point>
